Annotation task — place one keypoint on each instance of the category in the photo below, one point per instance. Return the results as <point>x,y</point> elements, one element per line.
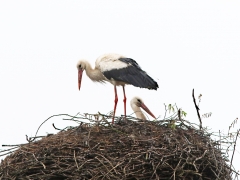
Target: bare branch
<point>197,108</point>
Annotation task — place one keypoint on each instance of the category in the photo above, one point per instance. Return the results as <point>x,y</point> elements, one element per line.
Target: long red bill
<point>80,72</point>
<point>147,110</point>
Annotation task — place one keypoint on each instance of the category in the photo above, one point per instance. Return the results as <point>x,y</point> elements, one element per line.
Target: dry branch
<point>197,108</point>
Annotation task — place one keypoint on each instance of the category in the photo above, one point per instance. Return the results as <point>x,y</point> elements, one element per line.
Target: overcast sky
<point>181,44</point>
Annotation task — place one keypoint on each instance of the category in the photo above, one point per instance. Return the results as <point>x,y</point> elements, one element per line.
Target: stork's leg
<point>115,103</point>
<point>124,100</point>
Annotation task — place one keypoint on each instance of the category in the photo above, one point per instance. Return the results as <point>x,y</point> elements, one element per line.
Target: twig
<point>8,153</point>
<point>39,161</point>
<point>165,110</point>
<point>108,171</point>
<point>8,149</point>
<point>197,108</point>
<point>235,142</point>
<point>5,145</point>
<point>50,118</point>
<point>220,139</point>
<point>55,127</point>
<point>75,159</point>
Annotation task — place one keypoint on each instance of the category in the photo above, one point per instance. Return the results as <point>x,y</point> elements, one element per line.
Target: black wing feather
<point>131,62</point>
<point>132,74</point>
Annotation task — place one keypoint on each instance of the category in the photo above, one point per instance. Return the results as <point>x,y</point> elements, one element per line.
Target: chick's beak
<point>147,110</point>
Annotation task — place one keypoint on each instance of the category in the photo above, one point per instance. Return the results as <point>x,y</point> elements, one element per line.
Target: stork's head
<point>81,66</point>
<point>137,101</point>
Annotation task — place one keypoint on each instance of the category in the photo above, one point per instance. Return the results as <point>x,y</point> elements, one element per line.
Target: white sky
<point>181,44</point>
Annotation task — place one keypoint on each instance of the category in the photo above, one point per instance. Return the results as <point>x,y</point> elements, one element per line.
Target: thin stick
<point>197,108</point>
<point>50,118</point>
<point>75,159</point>
<point>55,127</point>
<point>235,142</point>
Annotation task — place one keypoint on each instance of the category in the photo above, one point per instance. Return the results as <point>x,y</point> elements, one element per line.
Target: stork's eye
<point>80,66</point>
<point>138,100</point>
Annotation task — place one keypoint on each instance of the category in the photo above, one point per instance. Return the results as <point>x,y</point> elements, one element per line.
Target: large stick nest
<point>125,150</point>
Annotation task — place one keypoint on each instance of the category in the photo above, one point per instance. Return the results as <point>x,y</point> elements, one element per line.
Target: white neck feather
<point>94,74</point>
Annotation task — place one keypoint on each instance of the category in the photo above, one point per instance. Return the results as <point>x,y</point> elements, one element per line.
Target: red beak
<point>80,72</point>
<point>147,110</point>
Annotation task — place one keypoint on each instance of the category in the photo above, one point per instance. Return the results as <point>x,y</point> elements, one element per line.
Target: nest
<point>166,150</point>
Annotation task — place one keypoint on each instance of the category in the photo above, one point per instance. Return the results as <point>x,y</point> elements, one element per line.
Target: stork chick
<point>136,104</point>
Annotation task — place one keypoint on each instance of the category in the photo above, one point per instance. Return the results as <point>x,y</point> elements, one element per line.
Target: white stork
<point>136,103</point>
<point>118,70</point>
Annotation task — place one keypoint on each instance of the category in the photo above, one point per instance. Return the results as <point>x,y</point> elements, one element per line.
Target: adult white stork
<point>136,104</point>
<point>119,71</point>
